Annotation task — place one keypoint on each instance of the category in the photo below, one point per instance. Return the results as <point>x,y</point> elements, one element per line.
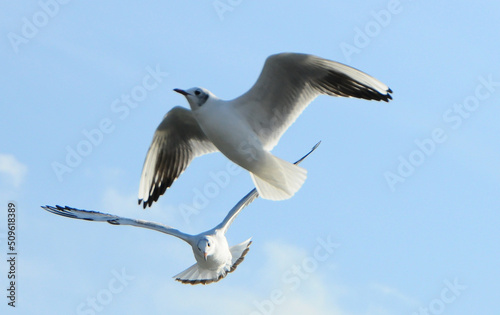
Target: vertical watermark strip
<point>11,254</point>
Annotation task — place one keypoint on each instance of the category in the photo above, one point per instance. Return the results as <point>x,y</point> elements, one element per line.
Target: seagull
<point>246,128</point>
<point>214,258</point>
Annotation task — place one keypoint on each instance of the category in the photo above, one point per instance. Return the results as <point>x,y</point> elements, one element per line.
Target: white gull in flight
<point>214,258</point>
<point>245,129</point>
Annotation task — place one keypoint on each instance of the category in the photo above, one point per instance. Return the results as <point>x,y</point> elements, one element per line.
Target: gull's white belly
<point>232,135</point>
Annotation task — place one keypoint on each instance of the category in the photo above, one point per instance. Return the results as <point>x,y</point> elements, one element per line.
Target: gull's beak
<point>205,255</point>
<point>182,92</point>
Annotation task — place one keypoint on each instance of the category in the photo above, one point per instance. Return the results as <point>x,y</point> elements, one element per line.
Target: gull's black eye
<point>208,244</point>
<point>197,92</point>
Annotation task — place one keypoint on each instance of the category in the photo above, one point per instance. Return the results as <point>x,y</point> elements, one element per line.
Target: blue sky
<point>405,193</point>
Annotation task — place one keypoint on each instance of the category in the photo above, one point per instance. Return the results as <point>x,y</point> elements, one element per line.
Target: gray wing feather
<point>290,81</point>
<point>115,220</point>
<point>176,142</point>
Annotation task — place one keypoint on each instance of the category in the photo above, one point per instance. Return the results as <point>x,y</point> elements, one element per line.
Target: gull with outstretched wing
<point>214,258</point>
<point>246,128</point>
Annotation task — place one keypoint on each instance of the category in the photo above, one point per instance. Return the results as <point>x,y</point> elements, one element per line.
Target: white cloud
<point>315,293</point>
<point>393,293</point>
<point>297,277</point>
<point>12,168</point>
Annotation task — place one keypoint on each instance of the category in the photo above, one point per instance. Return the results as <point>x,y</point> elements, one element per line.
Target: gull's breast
<point>230,132</point>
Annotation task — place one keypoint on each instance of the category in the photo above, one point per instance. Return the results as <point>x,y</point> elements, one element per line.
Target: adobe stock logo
<point>453,118</point>
<point>224,6</point>
<point>363,35</point>
<point>104,297</point>
<point>40,19</point>
<point>296,275</point>
<point>203,196</point>
<point>449,294</point>
<point>121,107</point>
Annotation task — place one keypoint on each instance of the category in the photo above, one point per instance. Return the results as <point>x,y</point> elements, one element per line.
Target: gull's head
<point>206,247</point>
<point>195,96</point>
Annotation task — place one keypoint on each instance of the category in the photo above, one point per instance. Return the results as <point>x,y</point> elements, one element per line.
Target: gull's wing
<point>177,140</point>
<point>115,220</point>
<point>290,81</point>
<point>248,199</point>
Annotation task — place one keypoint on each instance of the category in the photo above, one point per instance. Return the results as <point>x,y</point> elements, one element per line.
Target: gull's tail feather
<point>279,180</point>
<point>238,253</point>
<point>196,275</point>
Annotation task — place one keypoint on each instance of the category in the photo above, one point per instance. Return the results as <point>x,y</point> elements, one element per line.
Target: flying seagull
<point>246,128</point>
<point>214,258</point>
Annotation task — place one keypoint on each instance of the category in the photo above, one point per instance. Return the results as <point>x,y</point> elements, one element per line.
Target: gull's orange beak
<point>205,255</point>
<point>181,92</point>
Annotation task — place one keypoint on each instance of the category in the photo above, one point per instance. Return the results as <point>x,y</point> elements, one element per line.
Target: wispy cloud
<point>390,292</point>
<point>14,170</point>
<point>313,295</point>
<point>298,280</point>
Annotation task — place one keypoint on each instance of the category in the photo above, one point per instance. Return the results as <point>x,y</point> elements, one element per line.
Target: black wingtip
<point>387,97</point>
<point>144,203</point>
